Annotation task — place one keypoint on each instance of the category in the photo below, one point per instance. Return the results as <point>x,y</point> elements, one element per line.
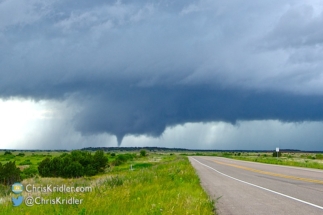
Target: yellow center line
<point>270,173</point>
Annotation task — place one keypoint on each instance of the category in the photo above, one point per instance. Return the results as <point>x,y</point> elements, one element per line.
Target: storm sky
<point>206,74</point>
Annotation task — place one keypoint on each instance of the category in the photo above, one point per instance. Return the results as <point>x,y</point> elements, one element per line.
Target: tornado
<point>119,139</point>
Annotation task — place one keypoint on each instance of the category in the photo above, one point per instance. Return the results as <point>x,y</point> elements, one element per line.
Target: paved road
<point>242,187</point>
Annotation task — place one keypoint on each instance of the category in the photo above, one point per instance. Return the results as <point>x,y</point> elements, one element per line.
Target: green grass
<point>141,165</point>
<point>288,159</point>
<point>32,158</point>
<point>158,184</point>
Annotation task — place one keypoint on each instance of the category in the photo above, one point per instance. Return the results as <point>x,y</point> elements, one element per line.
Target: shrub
<point>74,169</point>
<point>7,153</point>
<point>9,173</point>
<point>29,172</point>
<point>120,159</point>
<point>76,164</point>
<point>89,170</point>
<point>99,161</point>
<point>21,154</point>
<point>143,153</point>
<point>117,162</point>
<point>26,162</point>
<point>226,154</point>
<point>44,168</point>
<point>275,154</point>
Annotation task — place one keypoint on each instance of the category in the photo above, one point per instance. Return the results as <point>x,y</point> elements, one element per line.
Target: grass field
<point>157,184</point>
<point>160,183</point>
<point>308,160</point>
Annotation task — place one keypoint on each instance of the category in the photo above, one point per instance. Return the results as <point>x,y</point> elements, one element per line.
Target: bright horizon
<point>27,125</point>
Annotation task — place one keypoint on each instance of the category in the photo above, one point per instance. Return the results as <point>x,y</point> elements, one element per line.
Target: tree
<point>86,159</point>
<point>55,167</point>
<point>143,153</point>
<point>100,161</point>
<point>66,161</point>
<point>89,170</point>
<point>9,173</point>
<point>44,168</point>
<point>73,170</point>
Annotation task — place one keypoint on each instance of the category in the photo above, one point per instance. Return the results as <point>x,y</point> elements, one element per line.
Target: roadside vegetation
<point>130,183</point>
<point>297,159</point>
<point>72,165</point>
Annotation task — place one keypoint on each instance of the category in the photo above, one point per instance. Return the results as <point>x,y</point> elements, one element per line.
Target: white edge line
<point>290,197</point>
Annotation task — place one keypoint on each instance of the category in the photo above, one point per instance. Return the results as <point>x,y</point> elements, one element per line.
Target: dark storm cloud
<point>136,68</point>
<point>133,110</point>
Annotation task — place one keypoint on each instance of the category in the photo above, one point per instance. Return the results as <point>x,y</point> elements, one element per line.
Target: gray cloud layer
<point>136,68</point>
<point>151,110</point>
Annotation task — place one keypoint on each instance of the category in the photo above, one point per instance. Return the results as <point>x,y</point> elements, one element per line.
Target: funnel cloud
<point>139,68</point>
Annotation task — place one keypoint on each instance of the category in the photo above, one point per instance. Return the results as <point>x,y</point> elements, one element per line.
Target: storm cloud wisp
<point>137,68</point>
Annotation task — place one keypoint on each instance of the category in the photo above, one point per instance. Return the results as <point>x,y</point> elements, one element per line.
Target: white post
<point>277,150</point>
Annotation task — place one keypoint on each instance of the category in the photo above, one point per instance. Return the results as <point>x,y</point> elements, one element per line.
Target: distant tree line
<point>73,165</point>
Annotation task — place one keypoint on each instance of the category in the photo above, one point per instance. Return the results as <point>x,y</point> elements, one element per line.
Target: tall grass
<point>170,186</point>
<point>288,161</point>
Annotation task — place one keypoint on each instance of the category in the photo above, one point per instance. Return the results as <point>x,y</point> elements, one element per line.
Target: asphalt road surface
<point>241,187</point>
